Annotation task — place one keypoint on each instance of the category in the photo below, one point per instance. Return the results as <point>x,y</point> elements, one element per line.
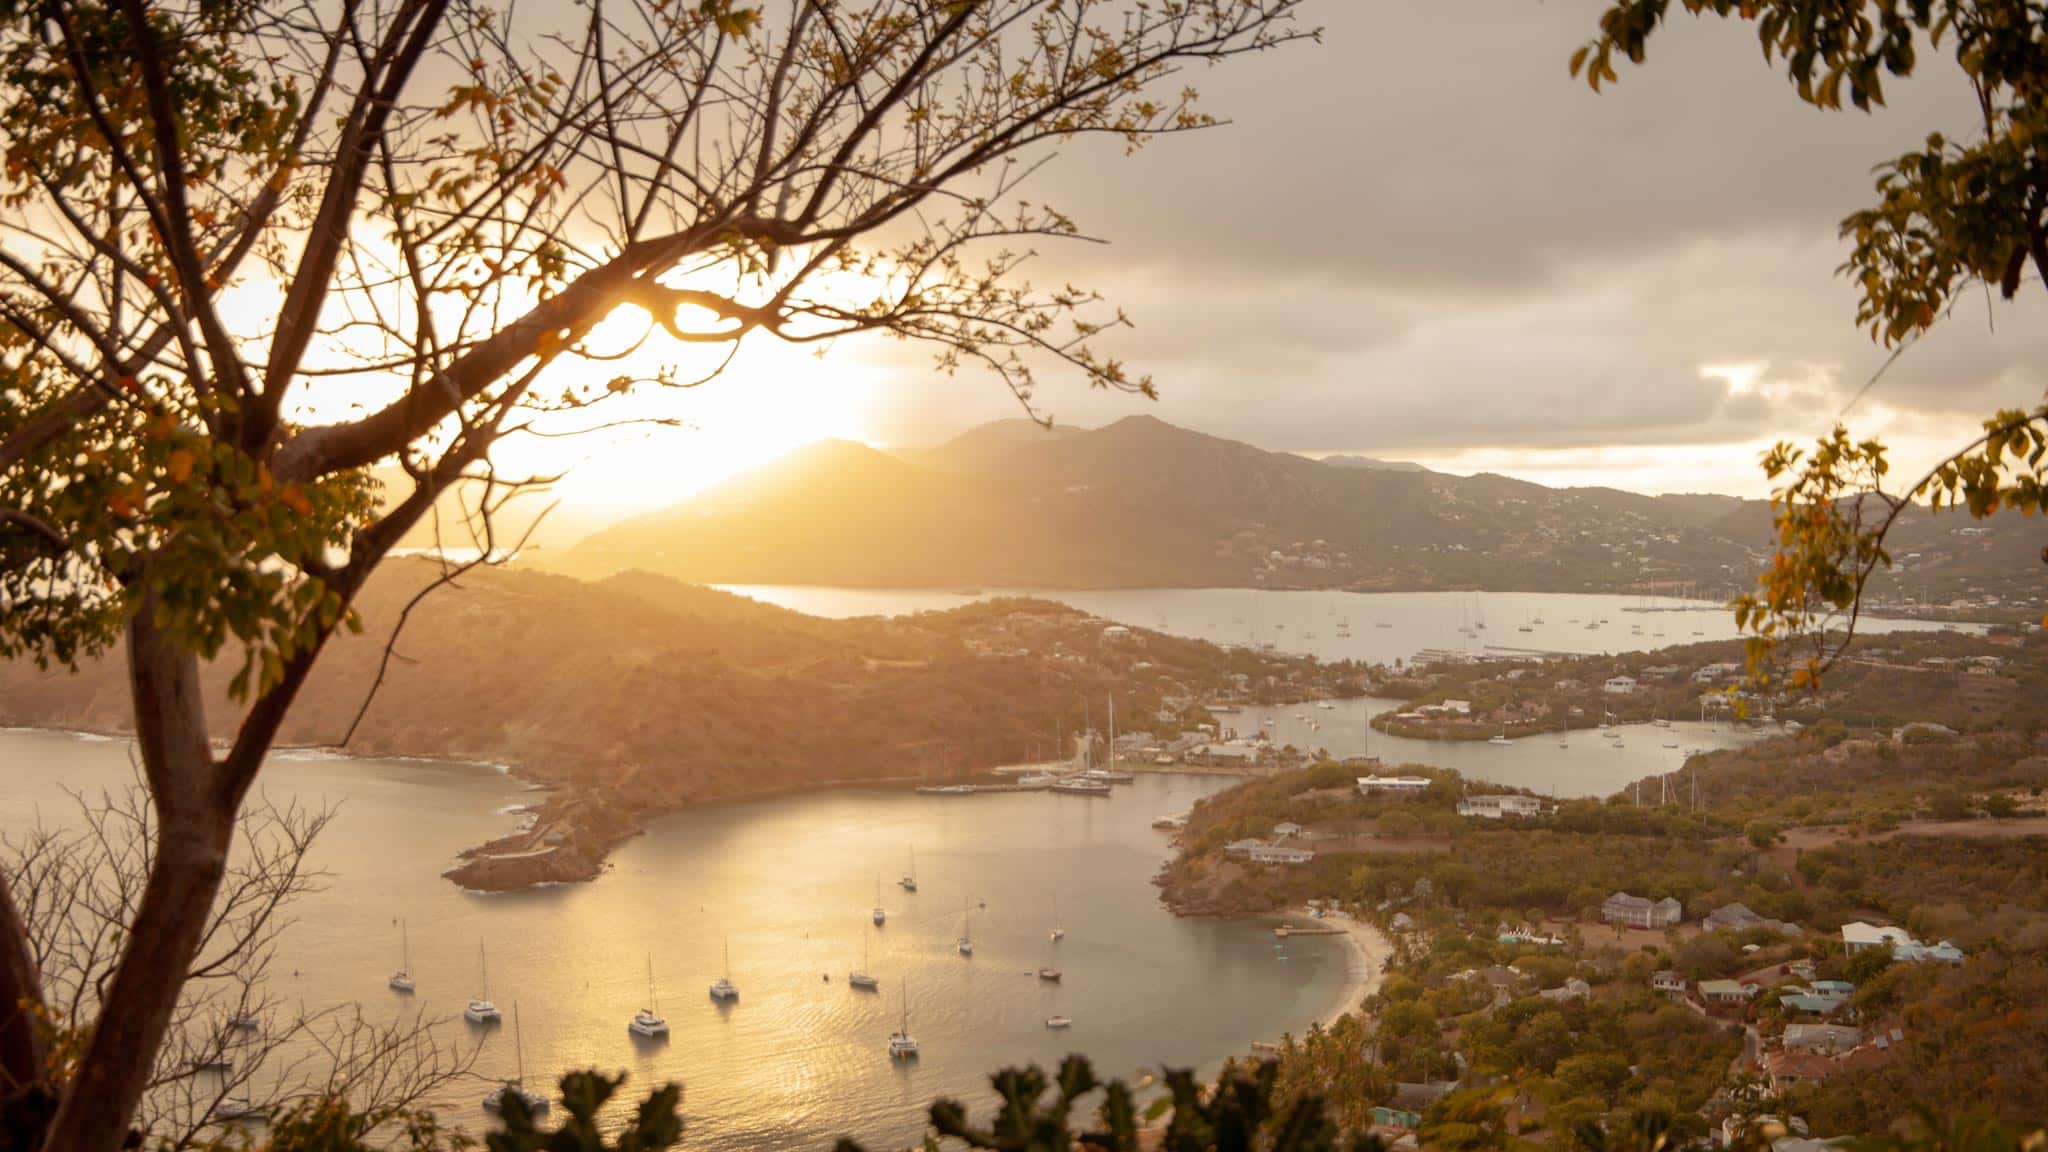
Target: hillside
<point>637,694</point>
<point>1142,503</point>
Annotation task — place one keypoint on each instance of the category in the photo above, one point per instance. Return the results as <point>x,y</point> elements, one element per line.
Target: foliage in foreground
<point>1241,1111</point>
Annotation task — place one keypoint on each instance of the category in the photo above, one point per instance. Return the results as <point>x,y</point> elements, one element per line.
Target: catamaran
<point>723,988</point>
<point>516,1087</point>
<point>859,977</point>
<point>966,942</point>
<point>909,881</point>
<point>902,1045</point>
<point>880,915</point>
<point>648,1021</point>
<point>401,980</point>
<point>481,1010</point>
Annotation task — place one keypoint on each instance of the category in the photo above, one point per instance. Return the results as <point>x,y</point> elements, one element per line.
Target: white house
<point>1461,707</point>
<point>1619,686</point>
<point>1409,785</point>
<point>1714,673</point>
<point>1280,854</point>
<point>1497,807</point>
<point>1116,633</point>
<point>1286,830</point>
<point>1858,936</point>
<point>1821,1037</point>
<point>1668,983</point>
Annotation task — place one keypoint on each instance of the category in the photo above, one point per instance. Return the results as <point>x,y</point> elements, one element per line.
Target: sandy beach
<point>1366,949</point>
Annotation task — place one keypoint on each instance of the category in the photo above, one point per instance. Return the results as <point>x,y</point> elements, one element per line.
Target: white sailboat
<point>880,915</point>
<point>723,988</point>
<point>1058,933</point>
<point>481,1010</point>
<point>909,881</point>
<point>902,1045</point>
<point>1500,739</point>
<point>859,977</point>
<point>401,980</point>
<point>965,944</point>
<point>494,1100</point>
<point>647,1021</point>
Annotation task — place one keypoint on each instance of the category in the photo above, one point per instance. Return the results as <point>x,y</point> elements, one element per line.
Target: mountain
<point>1142,503</point>
<point>1371,464</point>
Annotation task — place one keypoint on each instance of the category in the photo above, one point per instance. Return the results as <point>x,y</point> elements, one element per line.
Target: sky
<point>1423,240</point>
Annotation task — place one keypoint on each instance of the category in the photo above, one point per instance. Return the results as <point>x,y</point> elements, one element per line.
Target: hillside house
<point>1280,854</point>
<point>1673,984</point>
<point>1500,807</point>
<point>1400,785</point>
<point>1739,918</point>
<point>1640,911</point>
<point>1619,686</point>
<point>1287,830</point>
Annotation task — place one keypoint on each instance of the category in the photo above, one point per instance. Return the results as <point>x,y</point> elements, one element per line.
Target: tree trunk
<point>185,875</point>
<point>21,1044</point>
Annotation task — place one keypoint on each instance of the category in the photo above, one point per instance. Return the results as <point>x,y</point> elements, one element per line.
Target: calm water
<point>1590,764</point>
<point>1384,626</point>
<point>790,884</point>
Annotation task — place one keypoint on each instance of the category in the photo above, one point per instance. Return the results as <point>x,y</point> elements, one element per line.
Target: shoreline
<point>1366,950</point>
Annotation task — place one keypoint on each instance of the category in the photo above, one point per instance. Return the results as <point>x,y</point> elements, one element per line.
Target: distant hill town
<point>1143,503</point>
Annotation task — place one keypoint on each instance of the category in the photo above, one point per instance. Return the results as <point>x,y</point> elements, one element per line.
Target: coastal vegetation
<point>1509,986</point>
<point>661,695</point>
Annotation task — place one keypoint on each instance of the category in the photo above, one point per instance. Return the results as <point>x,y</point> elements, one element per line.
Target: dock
<point>977,789</point>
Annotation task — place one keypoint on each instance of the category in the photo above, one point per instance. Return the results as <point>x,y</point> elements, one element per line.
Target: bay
<point>788,883</point>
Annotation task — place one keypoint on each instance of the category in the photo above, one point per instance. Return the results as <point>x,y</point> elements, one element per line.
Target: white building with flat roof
<point>1367,785</point>
<point>1499,807</point>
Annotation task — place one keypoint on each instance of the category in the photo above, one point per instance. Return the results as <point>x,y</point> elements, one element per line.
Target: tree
<point>277,278</point>
<point>1965,209</point>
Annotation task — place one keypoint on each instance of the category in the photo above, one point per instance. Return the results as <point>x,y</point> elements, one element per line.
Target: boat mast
<point>1112,732</point>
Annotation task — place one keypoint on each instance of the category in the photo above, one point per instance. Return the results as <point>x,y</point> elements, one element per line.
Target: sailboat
<point>723,988</point>
<point>880,915</point>
<point>496,1097</point>
<point>1058,933</point>
<point>401,980</point>
<point>859,977</point>
<point>909,881</point>
<point>966,941</point>
<point>902,1045</point>
<point>481,1010</point>
<point>1500,739</point>
<point>648,1021</point>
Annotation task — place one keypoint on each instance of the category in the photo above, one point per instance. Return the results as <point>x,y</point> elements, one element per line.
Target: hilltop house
<point>1409,785</point>
<point>1619,686</point>
<point>1640,912</point>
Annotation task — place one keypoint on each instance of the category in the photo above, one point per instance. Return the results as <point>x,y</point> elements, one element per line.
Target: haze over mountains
<point>1143,503</point>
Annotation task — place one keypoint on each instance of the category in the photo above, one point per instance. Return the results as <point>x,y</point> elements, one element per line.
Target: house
<point>1242,847</point>
<point>1821,998</point>
<point>1386,1117</point>
<point>1499,807</point>
<point>1574,989</point>
<point>1408,785</point>
<point>1233,752</point>
<point>1401,922</point>
<point>1640,912</point>
<point>1526,935</point>
<point>1461,707</point>
<point>1286,830</point>
<point>1859,937</point>
<point>1827,1038</point>
<point>1786,1070</point>
<point>1619,686</point>
<point>1669,984</point>
<point>1116,633</point>
<point>1280,854</point>
<point>1738,918</point>
<point>1715,673</point>
<point>1725,997</point>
